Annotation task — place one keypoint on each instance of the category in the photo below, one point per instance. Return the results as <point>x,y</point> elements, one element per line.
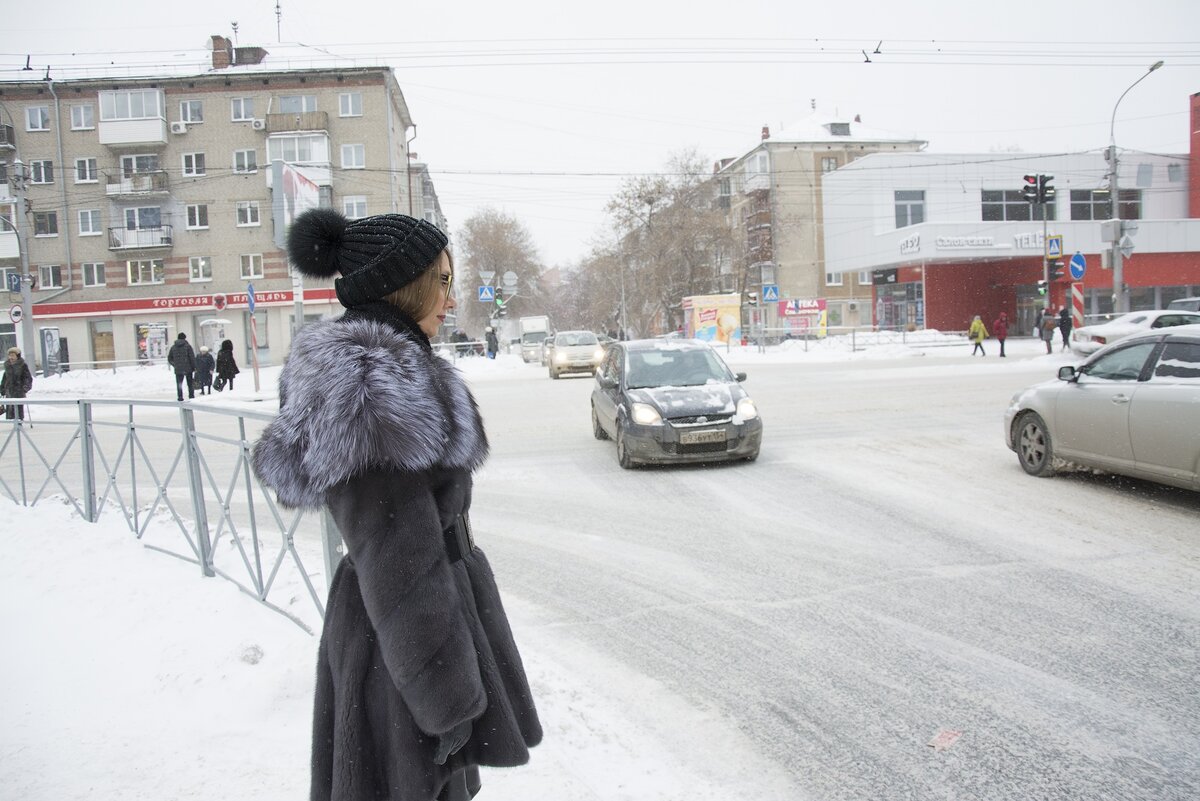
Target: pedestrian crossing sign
<point>487,294</point>
<point>770,292</point>
<point>1054,247</point>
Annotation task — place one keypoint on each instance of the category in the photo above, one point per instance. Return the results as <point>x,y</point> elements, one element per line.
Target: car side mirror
<point>605,381</point>
<point>1067,373</point>
<point>740,377</point>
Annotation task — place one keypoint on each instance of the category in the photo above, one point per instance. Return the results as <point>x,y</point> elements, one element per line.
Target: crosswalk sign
<point>770,292</point>
<point>1054,247</point>
<point>487,294</point>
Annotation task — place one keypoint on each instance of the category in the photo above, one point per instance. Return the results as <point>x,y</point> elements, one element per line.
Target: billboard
<point>804,317</point>
<point>716,319</point>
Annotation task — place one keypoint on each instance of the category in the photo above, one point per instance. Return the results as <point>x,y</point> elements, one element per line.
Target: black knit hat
<point>375,255</point>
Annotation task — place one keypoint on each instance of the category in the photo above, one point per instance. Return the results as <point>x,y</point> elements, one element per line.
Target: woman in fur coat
<point>419,681</point>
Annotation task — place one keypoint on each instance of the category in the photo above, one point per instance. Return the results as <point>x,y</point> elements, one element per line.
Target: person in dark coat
<point>183,359</point>
<point>226,365</point>
<point>1065,324</point>
<point>493,344</point>
<point>1000,330</point>
<point>204,370</point>
<point>1048,324</point>
<point>16,383</point>
<point>419,680</point>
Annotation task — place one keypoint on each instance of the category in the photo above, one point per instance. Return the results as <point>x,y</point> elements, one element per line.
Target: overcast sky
<point>539,108</point>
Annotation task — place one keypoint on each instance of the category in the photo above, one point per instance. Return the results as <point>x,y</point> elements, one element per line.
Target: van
<point>1185,304</point>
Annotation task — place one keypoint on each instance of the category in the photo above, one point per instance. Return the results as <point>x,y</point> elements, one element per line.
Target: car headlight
<point>560,356</point>
<point>599,354</point>
<point>746,409</point>
<point>646,415</point>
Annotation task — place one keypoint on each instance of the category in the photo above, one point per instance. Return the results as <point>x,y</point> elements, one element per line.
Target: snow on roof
<point>823,127</point>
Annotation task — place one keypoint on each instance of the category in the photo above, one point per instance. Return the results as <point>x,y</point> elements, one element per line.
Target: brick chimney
<point>222,52</point>
<point>766,133</point>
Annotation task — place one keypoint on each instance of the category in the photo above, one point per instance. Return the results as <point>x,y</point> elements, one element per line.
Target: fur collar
<point>362,392</point>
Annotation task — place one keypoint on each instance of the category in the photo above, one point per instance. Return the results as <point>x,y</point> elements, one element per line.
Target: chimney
<point>222,52</point>
<point>766,133</point>
<point>857,118</point>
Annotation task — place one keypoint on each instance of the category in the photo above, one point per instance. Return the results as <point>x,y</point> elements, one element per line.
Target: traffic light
<point>1030,190</point>
<point>1045,189</point>
<point>1057,271</point>
<point>1041,286</point>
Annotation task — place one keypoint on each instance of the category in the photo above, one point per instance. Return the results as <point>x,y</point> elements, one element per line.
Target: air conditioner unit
<point>258,125</point>
<point>852,305</point>
<point>179,127</point>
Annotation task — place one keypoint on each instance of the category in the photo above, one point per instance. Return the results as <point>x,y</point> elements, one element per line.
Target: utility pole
<point>19,180</point>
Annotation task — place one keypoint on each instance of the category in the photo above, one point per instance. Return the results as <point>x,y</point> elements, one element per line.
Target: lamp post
<point>1120,291</point>
<point>18,178</point>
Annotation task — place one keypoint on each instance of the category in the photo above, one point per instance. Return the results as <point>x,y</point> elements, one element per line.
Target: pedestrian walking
<point>977,333</point>
<point>16,383</point>
<point>226,367</point>
<point>419,680</point>
<point>1000,330</point>
<point>1064,325</point>
<point>204,370</point>
<point>1047,326</point>
<point>493,344</point>
<point>182,358</point>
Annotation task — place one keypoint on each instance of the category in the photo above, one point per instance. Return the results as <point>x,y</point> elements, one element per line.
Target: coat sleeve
<point>389,520</point>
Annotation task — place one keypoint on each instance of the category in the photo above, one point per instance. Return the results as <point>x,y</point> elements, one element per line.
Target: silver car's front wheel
<point>1034,449</point>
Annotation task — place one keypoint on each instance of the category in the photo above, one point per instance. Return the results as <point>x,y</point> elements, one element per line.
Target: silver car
<point>1091,338</point>
<point>573,352</point>
<point>1133,408</point>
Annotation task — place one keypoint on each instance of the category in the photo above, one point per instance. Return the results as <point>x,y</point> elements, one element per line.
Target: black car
<point>673,401</point>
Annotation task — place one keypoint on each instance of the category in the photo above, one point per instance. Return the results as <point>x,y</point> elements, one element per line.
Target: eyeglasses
<point>448,283</point>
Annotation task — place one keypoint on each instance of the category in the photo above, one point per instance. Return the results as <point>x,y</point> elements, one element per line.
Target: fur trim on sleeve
<point>359,394</point>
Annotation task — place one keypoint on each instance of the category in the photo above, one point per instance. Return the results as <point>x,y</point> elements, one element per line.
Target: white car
<point>1088,339</point>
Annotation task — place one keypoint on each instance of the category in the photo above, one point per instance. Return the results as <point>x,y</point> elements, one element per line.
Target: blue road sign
<point>1054,247</point>
<point>770,292</point>
<point>14,281</point>
<point>487,294</point>
<point>1078,266</point>
<point>250,297</point>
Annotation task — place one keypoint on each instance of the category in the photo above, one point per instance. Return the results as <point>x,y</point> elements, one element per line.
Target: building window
<point>864,278</point>
<point>139,164</point>
<point>93,273</point>
<point>136,104</point>
<point>999,205</point>
<point>197,216</point>
<point>757,164</point>
<point>297,104</point>
<point>1095,204</point>
<point>355,206</point>
<point>354,157</point>
<point>251,266</point>
<point>245,161</point>
<point>833,279</point>
<point>247,213</point>
<point>83,117</point>
<point>298,149</point>
<point>50,276</point>
<point>37,118</point>
<point>193,164</point>
<point>828,164</point>
<point>1174,173</point>
<point>200,268</point>
<point>89,222</point>
<point>350,104</point>
<point>142,219</point>
<point>85,171</point>
<point>241,109</point>
<point>145,271</point>
<point>41,172</point>
<point>191,111</point>
<point>45,223</point>
<point>910,207</point>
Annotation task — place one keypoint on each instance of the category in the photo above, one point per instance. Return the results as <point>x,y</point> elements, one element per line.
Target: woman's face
<point>432,321</point>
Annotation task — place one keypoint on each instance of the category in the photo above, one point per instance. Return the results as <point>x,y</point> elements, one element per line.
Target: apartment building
<point>773,194</point>
<point>148,207</point>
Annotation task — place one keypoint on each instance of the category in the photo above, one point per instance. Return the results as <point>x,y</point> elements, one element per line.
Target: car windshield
<point>576,338</point>
<point>674,368</point>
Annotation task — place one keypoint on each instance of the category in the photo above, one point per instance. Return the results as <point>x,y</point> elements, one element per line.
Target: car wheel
<point>597,430</point>
<point>553,375</point>
<point>1034,449</point>
<point>623,457</point>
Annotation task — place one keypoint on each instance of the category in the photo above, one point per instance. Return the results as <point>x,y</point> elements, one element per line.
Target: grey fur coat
<point>415,640</point>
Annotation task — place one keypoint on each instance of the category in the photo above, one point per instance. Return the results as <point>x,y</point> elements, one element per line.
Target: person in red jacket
<point>1000,329</point>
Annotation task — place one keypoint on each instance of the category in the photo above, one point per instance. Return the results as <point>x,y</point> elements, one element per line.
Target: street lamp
<point>1120,291</point>
<point>19,177</point>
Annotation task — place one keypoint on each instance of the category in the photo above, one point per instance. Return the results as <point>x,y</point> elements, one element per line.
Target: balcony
<point>118,133</point>
<point>8,139</point>
<point>9,247</point>
<point>304,121</point>
<point>138,183</point>
<point>140,238</point>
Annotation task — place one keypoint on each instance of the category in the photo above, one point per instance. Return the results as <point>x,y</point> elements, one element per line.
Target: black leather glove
<point>452,741</point>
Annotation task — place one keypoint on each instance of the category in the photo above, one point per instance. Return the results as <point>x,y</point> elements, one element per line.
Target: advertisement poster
<point>804,317</point>
<point>151,342</point>
<point>716,319</point>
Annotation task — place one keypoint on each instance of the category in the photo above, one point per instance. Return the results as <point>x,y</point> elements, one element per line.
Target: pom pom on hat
<point>314,240</point>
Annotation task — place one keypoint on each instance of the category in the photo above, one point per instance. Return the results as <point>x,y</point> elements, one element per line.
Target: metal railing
<point>186,489</point>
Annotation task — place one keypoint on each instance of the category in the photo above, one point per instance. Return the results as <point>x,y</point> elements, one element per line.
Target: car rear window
<point>1179,361</point>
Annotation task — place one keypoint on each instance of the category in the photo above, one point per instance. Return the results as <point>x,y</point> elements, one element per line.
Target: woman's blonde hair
<point>422,296</point>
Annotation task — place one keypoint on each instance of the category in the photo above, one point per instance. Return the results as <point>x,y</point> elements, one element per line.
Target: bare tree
<point>496,242</point>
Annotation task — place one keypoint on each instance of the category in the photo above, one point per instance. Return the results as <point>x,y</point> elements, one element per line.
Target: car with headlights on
<point>1133,408</point>
<point>573,352</point>
<point>1088,339</point>
<point>673,400</point>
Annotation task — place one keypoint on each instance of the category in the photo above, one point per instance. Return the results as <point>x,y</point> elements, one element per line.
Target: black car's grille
<point>709,419</point>
<point>701,447</point>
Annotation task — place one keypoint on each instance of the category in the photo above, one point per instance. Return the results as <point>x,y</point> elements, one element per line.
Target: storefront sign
<point>964,242</point>
<point>883,277</point>
<point>181,303</point>
<point>910,245</point>
<point>791,308</point>
<point>1030,241</point>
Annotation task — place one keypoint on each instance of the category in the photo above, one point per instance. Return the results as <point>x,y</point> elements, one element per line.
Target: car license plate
<point>701,437</point>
